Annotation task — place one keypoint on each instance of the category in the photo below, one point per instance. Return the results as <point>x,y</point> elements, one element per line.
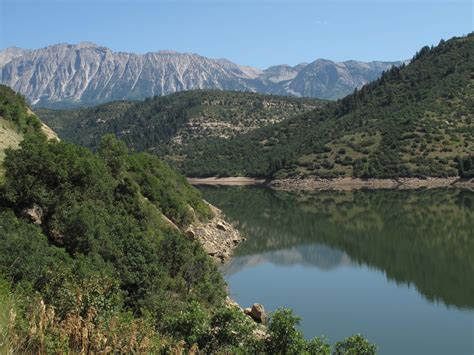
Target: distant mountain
<point>329,80</point>
<point>7,54</point>
<point>65,75</point>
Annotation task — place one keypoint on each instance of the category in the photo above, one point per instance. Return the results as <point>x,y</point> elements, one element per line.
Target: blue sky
<point>250,32</point>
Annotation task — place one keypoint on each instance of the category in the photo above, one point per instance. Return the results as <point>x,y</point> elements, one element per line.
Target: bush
<point>354,345</point>
<point>318,346</point>
<point>284,337</point>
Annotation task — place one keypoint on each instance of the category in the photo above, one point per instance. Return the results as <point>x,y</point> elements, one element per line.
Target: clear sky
<point>250,32</point>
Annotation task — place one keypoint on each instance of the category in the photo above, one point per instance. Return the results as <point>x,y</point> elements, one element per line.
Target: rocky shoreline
<point>347,184</point>
<point>343,183</point>
<point>235,180</point>
<point>218,237</point>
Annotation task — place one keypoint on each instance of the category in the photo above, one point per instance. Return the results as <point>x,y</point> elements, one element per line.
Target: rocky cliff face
<point>86,74</point>
<point>326,79</point>
<point>218,237</point>
<point>8,54</point>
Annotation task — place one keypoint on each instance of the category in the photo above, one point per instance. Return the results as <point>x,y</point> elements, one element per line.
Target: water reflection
<point>423,238</point>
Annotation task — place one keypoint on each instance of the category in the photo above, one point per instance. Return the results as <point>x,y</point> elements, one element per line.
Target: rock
<point>169,222</point>
<point>44,75</point>
<point>190,234</point>
<point>217,237</point>
<point>247,311</point>
<point>231,303</point>
<point>34,214</point>
<point>258,313</point>
<point>221,227</point>
<point>211,250</point>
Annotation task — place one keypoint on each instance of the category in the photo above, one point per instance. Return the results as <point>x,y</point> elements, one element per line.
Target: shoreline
<point>342,183</point>
<point>348,184</point>
<point>218,237</point>
<point>233,180</point>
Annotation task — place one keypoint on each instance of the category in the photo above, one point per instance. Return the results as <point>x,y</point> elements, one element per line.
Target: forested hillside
<point>94,257</point>
<point>15,120</point>
<point>413,121</point>
<point>175,122</point>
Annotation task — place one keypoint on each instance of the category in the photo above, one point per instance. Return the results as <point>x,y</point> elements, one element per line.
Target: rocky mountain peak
<point>65,75</point>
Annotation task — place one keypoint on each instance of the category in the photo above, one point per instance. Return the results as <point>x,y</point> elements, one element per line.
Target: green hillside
<point>98,242</point>
<point>88,261</point>
<point>413,121</point>
<point>94,257</point>
<point>15,121</point>
<point>175,122</point>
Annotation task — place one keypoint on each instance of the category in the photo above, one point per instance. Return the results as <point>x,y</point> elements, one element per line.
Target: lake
<point>396,266</point>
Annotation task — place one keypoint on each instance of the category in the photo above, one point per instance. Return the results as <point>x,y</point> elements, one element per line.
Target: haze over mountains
<point>65,75</point>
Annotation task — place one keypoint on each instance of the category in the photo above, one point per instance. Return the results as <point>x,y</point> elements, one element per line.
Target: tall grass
<point>33,327</point>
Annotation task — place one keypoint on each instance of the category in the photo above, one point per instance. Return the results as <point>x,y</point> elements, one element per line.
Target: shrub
<point>354,345</point>
<point>284,337</point>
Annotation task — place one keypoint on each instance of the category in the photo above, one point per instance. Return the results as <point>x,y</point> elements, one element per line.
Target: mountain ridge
<point>85,74</point>
<point>414,121</point>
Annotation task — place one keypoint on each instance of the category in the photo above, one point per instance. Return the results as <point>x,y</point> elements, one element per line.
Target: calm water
<point>396,266</point>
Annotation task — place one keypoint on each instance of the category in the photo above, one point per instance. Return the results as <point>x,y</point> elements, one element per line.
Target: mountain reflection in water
<point>423,238</point>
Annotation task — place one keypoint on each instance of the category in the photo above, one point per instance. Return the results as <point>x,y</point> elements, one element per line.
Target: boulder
<point>221,226</point>
<point>190,234</point>
<point>33,214</point>
<point>258,313</point>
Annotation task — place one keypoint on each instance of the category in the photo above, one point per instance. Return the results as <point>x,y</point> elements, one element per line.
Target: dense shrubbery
<point>13,108</point>
<point>89,264</point>
<point>100,234</point>
<point>466,167</point>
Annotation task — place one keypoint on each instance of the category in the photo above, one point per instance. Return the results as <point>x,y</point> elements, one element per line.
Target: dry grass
<point>42,332</point>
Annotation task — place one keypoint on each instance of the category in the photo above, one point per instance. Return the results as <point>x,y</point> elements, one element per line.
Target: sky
<point>259,33</point>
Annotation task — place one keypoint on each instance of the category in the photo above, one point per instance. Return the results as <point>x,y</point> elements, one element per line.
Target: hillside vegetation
<point>413,121</point>
<point>91,263</point>
<point>169,124</point>
<point>15,120</point>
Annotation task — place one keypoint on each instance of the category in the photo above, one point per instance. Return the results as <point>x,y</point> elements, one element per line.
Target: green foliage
<point>94,217</point>
<point>355,345</point>
<point>172,124</point>
<point>29,326</point>
<point>230,330</point>
<point>227,328</point>
<point>13,108</point>
<point>318,346</point>
<point>284,337</point>
<point>168,190</point>
<point>412,122</point>
<point>466,167</point>
<point>114,153</point>
<point>191,325</point>
<point>102,270</point>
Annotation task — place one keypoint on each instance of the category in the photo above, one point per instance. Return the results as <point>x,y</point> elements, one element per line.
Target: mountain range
<point>65,75</point>
<point>416,120</point>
